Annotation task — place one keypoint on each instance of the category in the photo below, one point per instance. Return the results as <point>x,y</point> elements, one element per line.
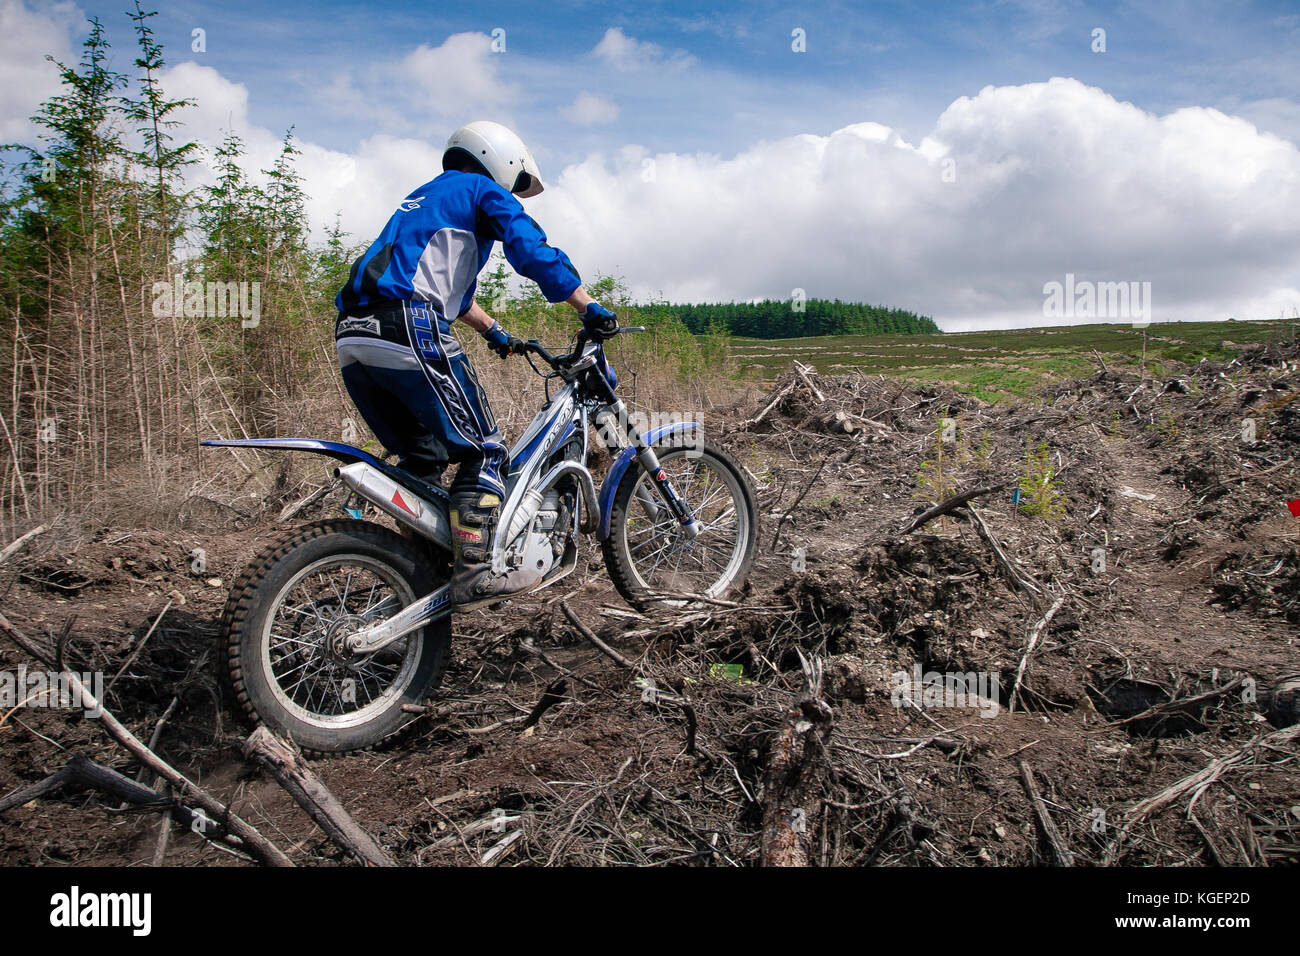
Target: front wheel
<point>651,560</point>
<point>284,620</point>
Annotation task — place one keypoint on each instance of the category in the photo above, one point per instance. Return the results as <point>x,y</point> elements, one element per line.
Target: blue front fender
<point>621,465</point>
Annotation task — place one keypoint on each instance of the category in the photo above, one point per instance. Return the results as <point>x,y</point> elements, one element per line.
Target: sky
<point>955,159</point>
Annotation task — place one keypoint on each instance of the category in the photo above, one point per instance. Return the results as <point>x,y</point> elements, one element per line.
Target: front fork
<point>621,428</point>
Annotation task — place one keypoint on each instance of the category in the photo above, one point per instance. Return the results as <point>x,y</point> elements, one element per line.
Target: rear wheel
<point>650,558</point>
<point>287,613</point>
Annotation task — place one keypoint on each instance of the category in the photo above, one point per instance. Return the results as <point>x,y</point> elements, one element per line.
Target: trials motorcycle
<point>329,633</point>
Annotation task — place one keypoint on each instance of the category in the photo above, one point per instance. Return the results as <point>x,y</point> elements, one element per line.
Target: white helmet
<point>500,152</point>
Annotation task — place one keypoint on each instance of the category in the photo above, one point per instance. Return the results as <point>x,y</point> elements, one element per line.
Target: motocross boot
<point>474,516</point>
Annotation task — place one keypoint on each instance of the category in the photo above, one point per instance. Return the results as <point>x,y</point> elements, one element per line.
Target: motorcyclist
<point>405,371</point>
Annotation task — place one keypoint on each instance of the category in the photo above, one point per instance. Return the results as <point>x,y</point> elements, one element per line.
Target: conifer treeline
<point>788,319</point>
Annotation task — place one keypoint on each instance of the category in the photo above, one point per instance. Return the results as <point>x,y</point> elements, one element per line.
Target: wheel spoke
<point>345,593</point>
<point>664,557</point>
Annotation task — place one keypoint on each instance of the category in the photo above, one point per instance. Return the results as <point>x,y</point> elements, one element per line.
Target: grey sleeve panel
<point>446,270</point>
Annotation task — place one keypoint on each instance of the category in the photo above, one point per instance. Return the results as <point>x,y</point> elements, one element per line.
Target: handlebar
<point>556,362</point>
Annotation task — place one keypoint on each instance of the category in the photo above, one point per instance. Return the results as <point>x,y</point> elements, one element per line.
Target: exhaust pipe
<point>429,520</point>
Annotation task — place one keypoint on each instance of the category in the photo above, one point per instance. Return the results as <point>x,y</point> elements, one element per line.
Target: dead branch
<point>776,400</point>
<point>1182,704</point>
<point>292,511</point>
<point>1046,825</point>
<point>786,513</point>
<point>600,645</point>
<point>1016,578</point>
<point>17,544</point>
<point>947,507</point>
<point>553,695</point>
<point>135,651</point>
<point>284,762</point>
<point>1195,784</point>
<point>257,845</point>
<point>81,771</point>
<point>802,371</point>
<point>1029,649</point>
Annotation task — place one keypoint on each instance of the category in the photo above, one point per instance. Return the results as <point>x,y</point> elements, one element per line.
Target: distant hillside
<point>1008,363</point>
<point>771,319</point>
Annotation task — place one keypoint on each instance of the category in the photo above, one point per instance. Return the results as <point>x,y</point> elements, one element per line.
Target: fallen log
<point>284,762</point>
<point>17,544</point>
<point>841,423</point>
<point>795,784</point>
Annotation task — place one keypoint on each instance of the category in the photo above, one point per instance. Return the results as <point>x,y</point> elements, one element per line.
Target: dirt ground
<point>1160,591</point>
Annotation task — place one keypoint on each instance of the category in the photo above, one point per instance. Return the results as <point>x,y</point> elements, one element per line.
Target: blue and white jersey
<point>434,246</point>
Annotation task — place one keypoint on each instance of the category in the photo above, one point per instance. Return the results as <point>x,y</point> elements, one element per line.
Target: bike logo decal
<point>661,477</point>
<point>398,500</point>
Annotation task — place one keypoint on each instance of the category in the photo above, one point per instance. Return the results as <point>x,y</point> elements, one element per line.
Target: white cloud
<point>1011,189</point>
<point>457,81</point>
<point>364,186</point>
<point>458,77</point>
<point>1050,178</point>
<point>26,78</point>
<point>588,109</point>
<point>627,53</point>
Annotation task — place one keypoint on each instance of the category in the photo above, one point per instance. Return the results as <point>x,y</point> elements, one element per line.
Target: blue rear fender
<point>339,451</point>
<point>624,461</point>
<point>332,449</point>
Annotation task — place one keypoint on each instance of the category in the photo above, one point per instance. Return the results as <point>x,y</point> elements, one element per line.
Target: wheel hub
<point>335,644</point>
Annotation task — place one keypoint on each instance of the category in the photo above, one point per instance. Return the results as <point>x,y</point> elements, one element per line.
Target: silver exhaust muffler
<point>428,519</point>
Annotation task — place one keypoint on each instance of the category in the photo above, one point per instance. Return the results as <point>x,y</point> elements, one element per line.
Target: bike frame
<point>586,394</point>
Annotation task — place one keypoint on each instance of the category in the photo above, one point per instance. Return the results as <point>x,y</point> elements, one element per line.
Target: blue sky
<point>1184,127</point>
<point>901,62</point>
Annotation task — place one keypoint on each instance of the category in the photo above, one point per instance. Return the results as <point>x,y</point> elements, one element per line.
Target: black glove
<point>600,323</point>
<point>502,342</point>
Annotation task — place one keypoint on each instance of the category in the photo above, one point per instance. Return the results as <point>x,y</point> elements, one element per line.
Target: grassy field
<point>1011,363</point>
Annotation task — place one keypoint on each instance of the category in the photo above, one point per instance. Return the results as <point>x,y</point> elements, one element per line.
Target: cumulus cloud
<point>629,54</point>
<point>458,80</point>
<point>588,109</point>
<point>362,187</point>
<point>1012,189</point>
<point>26,77</point>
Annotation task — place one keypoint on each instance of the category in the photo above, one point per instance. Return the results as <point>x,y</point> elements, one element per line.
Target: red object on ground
<point>1295,507</point>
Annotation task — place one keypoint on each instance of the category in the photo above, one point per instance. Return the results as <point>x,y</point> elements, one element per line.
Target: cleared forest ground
<point>1148,634</point>
<point>1010,363</point>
